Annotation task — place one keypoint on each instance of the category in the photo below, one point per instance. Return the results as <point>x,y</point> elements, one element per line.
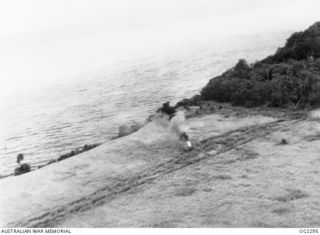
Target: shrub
<point>293,82</point>
<point>300,46</point>
<point>193,101</point>
<point>23,168</point>
<point>290,77</point>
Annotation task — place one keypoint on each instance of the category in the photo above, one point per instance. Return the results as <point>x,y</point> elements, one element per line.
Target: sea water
<point>45,123</point>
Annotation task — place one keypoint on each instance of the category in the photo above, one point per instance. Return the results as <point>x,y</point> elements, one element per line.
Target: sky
<point>47,40</point>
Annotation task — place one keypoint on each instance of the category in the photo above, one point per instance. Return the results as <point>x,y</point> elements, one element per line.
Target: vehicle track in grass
<point>212,147</point>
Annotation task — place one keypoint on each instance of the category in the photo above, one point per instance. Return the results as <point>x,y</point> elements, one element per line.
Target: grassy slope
<point>238,175</point>
<point>239,178</point>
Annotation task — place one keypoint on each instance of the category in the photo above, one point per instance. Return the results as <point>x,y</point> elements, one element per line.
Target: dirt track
<point>224,182</point>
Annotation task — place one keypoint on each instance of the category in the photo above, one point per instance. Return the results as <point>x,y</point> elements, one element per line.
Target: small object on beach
<point>184,137</point>
<point>150,118</point>
<point>85,148</point>
<point>284,141</point>
<point>189,146</point>
<point>168,109</point>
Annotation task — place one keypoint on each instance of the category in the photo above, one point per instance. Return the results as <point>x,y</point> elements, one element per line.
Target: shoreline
<point>250,167</point>
<point>67,155</point>
<point>117,169</point>
<point>205,108</point>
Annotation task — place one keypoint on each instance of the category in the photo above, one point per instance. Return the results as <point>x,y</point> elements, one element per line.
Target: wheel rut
<point>218,144</point>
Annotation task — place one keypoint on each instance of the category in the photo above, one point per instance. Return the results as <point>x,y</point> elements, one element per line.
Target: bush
<point>85,148</point>
<point>290,77</point>
<point>23,168</point>
<point>193,101</point>
<point>300,46</point>
<point>293,82</point>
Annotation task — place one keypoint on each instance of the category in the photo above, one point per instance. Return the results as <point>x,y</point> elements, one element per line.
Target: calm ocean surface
<point>48,122</point>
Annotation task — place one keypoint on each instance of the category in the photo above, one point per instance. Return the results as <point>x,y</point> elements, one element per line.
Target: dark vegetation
<point>22,168</point>
<point>77,151</point>
<point>300,46</point>
<point>289,78</point>
<point>284,141</point>
<point>25,167</point>
<point>195,100</point>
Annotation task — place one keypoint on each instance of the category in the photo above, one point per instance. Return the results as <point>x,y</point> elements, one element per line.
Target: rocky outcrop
<point>128,129</point>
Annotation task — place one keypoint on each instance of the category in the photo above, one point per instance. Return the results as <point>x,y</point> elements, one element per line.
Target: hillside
<point>289,78</point>
<point>300,46</point>
<point>241,174</point>
<point>250,167</point>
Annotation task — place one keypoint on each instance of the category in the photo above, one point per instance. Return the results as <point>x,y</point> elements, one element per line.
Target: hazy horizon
<point>45,41</point>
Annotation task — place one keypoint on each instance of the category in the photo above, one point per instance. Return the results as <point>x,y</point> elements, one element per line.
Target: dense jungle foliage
<point>290,77</point>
